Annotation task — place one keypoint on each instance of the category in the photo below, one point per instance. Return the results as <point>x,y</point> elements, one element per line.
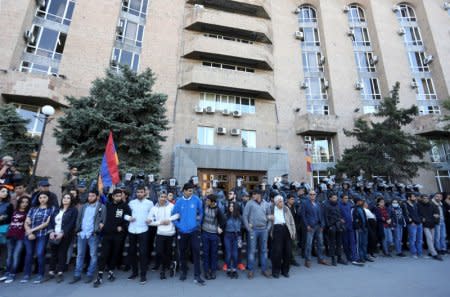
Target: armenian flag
<point>109,171</point>
<point>308,158</point>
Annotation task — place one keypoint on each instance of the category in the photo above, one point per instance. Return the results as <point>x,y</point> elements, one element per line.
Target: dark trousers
<point>334,242</point>
<point>164,247</point>
<point>210,244</point>
<point>191,240</point>
<point>140,239</point>
<point>59,253</point>
<point>281,249</point>
<point>373,239</point>
<point>151,243</point>
<point>110,252</point>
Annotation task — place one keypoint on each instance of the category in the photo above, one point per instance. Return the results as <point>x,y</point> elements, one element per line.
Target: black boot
<point>333,261</point>
<point>99,280</point>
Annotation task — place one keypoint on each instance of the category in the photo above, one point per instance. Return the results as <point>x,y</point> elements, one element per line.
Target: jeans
<point>231,250</point>
<point>257,237</point>
<point>387,240</point>
<point>82,244</point>
<point>15,247</point>
<point>398,235</point>
<point>362,240</point>
<point>415,239</point>
<point>210,243</point>
<point>193,240</point>
<point>317,233</point>
<point>439,237</point>
<point>31,246</point>
<point>348,241</point>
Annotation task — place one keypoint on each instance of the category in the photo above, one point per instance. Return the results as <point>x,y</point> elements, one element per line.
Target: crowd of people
<point>268,228</point>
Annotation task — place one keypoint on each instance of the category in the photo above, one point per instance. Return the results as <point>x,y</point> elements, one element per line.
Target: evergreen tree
<point>15,141</point>
<point>125,104</point>
<point>383,148</point>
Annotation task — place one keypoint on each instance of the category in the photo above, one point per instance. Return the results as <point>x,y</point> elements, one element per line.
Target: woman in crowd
<point>61,229</point>
<point>6,210</point>
<point>398,223</point>
<point>233,223</point>
<point>385,224</point>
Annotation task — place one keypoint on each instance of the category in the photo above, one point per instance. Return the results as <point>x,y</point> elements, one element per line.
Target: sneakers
<point>9,280</point>
<point>199,281</point>
<point>267,273</point>
<point>438,257</point>
<point>250,275</point>
<point>38,279</point>
<point>111,276</point>
<point>234,275</point>
<point>357,263</point>
<point>98,282</point>
<point>132,276</point>
<point>162,275</point>
<point>75,279</point>
<point>241,267</point>
<point>183,276</point>
<point>5,277</point>
<point>415,257</point>
<point>143,280</point>
<point>25,279</point>
<point>59,278</point>
<point>401,255</point>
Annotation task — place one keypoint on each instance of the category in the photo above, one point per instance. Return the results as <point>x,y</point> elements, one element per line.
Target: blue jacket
<point>233,224</point>
<point>312,216</point>
<point>346,211</point>
<point>191,214</point>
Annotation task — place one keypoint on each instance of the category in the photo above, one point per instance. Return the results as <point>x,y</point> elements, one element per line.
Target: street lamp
<point>47,111</point>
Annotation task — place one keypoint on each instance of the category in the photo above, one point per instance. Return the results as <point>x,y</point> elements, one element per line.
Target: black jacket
<point>427,212</point>
<point>69,221</point>
<point>332,215</point>
<point>115,217</point>
<point>411,213</point>
<point>359,218</point>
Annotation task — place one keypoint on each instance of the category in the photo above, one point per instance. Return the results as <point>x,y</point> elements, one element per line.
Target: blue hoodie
<point>189,210</point>
<point>346,210</point>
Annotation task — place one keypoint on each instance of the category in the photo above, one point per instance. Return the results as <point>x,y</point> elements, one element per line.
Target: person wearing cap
<point>44,186</point>
<point>415,227</point>
<point>190,210</point>
<point>256,220</point>
<point>360,226</point>
<point>70,180</point>
<point>113,237</point>
<point>312,216</point>
<point>429,214</point>
<point>283,233</point>
<point>440,242</point>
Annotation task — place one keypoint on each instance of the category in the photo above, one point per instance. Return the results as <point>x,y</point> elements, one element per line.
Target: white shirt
<point>279,216</point>
<point>161,213</point>
<point>369,214</point>
<point>140,210</point>
<point>58,221</point>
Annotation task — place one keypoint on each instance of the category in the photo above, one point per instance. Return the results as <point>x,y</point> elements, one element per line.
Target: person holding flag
<point>109,171</point>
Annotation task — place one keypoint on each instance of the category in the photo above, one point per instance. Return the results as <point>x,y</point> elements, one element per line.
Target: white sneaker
<point>9,280</point>
<point>3,278</point>
<point>415,257</point>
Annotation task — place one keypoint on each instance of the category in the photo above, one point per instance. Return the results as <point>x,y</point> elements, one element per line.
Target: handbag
<point>3,230</point>
<point>55,241</point>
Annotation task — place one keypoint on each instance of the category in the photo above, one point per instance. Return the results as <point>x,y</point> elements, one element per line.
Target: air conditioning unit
<point>125,2</point>
<point>29,36</point>
<point>322,60</point>
<point>326,84</point>
<point>226,112</point>
<point>395,8</point>
<point>297,10</point>
<point>235,132</point>
<point>359,85</point>
<point>446,5</point>
<point>428,60</point>
<point>373,60</point>
<point>299,35</point>
<point>119,29</point>
<point>304,85</point>
<point>401,32</point>
<point>199,6</point>
<point>346,9</point>
<point>351,32</point>
<point>413,84</point>
<point>221,131</point>
<point>114,61</point>
<point>307,139</point>
<point>237,114</point>
<point>198,109</point>
<point>209,109</point>
<point>40,3</point>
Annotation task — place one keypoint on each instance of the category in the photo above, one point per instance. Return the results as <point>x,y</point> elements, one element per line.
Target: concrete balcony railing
<point>314,124</point>
<point>430,125</point>
<point>32,88</point>
<point>256,55</point>
<point>257,85</point>
<point>258,8</point>
<point>202,19</point>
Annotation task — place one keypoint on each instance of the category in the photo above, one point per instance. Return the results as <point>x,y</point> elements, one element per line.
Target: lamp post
<point>47,111</point>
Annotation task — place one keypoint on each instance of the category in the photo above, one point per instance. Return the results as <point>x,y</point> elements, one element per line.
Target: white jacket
<point>160,213</point>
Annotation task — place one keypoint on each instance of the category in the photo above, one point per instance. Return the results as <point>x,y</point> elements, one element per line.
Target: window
<point>310,37</point>
<point>429,109</point>
<point>130,33</point>
<point>218,36</point>
<point>356,14</point>
<point>360,36</point>
<point>443,180</point>
<point>417,62</point>
<point>59,11</point>
<point>227,102</point>
<point>205,135</point>
<point>406,13</point>
<point>26,66</point>
<point>364,61</point>
<point>320,108</point>
<point>440,150</point>
<point>311,62</point>
<point>316,89</point>
<point>318,175</point>
<point>46,42</point>
<point>123,57</point>
<point>322,149</point>
<point>135,7</point>
<point>370,109</point>
<point>228,67</point>
<point>249,136</point>
<point>425,89</point>
<point>371,89</point>
<point>412,36</point>
<point>31,113</point>
<point>307,14</point>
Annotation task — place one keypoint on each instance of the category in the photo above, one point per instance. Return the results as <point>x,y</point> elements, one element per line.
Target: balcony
<point>430,125</point>
<point>314,124</point>
<point>31,88</point>
<point>200,78</point>
<point>257,8</point>
<point>256,55</point>
<point>237,25</point>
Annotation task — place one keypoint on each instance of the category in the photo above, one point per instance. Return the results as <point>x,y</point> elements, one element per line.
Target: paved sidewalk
<point>395,277</point>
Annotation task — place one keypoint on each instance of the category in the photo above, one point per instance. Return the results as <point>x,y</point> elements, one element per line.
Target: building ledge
<point>313,124</point>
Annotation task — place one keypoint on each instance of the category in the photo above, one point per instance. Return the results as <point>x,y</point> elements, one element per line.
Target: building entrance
<point>226,179</point>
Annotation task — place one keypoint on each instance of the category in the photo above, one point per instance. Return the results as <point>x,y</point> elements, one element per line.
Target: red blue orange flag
<point>308,158</point>
<point>109,171</point>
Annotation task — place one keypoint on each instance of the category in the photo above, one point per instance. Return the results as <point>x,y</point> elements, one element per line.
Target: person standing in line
<point>232,237</point>
<point>372,238</point>
<point>385,226</point>
<point>440,242</point>
<point>398,223</point>
<point>294,207</point>
<point>6,211</point>
<point>334,223</point>
<point>429,215</point>
<point>359,219</point>
<point>348,237</point>
<point>190,210</point>
<point>415,227</point>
